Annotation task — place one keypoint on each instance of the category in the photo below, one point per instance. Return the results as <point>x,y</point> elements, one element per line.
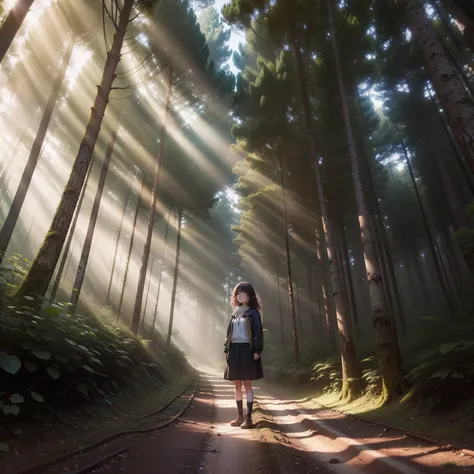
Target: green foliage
<point>217,36</point>
<point>329,373</point>
<point>12,273</point>
<point>54,359</point>
<point>443,375</point>
<point>371,375</point>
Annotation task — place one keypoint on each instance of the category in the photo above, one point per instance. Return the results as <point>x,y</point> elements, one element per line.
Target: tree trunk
<point>351,371</point>
<point>385,251</point>
<point>86,247</point>
<point>314,301</point>
<point>431,241</point>
<point>27,238</point>
<point>300,319</point>
<point>155,311</point>
<point>384,324</point>
<point>288,267</point>
<point>339,261</point>
<point>452,30</point>
<point>459,218</point>
<point>20,195</point>
<point>352,383</point>
<point>449,87</point>
<point>148,289</point>
<point>69,260</point>
<point>455,206</point>
<point>117,242</point>
<point>130,247</point>
<point>464,165</point>
<point>323,274</point>
<point>70,237</point>
<point>350,282</point>
<point>175,276</point>
<point>12,23</point>
<point>38,278</point>
<point>279,306</point>
<point>137,309</point>
<point>461,14</point>
<point>392,274</point>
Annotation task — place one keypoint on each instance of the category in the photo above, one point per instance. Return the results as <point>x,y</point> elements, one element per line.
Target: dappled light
<point>194,192</point>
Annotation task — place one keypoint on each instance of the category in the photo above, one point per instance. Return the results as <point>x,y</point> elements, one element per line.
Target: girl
<point>243,346</point>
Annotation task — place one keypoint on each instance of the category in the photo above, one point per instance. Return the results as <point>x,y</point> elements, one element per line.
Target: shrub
<point>51,357</point>
<point>443,375</point>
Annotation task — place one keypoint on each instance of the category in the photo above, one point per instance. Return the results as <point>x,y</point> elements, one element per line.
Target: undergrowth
<point>438,366</point>
<point>443,375</point>
<point>51,360</point>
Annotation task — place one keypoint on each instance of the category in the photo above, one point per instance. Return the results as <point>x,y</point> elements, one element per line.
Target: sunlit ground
<point>300,426</point>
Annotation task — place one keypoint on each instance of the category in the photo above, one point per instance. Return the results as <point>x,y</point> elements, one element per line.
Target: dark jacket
<point>253,325</point>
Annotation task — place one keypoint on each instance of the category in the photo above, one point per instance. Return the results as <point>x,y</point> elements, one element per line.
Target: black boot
<point>247,424</point>
<point>240,417</point>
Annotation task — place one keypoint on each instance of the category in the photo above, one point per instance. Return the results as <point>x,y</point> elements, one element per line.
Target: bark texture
<point>12,23</point>
<point>137,309</point>
<point>175,275</point>
<point>448,85</point>
<point>86,247</point>
<point>384,323</point>
<point>38,278</point>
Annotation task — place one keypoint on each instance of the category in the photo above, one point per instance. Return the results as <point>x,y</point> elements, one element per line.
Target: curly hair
<point>244,287</point>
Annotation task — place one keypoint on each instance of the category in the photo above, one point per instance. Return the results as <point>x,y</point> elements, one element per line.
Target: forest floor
<point>292,436</point>
<point>451,426</point>
<point>58,431</point>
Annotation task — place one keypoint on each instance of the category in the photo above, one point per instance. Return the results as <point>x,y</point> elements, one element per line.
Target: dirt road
<point>290,439</point>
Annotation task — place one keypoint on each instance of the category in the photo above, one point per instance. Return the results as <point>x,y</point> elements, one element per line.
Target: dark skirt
<point>241,365</point>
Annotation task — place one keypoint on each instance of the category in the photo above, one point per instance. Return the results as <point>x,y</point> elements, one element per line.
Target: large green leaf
<point>10,363</point>
<point>37,397</point>
<point>442,374</point>
<point>11,409</point>
<point>448,347</point>
<point>4,447</point>
<point>53,372</point>
<point>43,355</point>
<point>17,398</point>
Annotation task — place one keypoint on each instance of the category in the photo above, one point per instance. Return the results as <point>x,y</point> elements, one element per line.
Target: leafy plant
<point>330,373</point>
<point>371,375</point>
<point>51,357</point>
<point>12,274</point>
<point>444,374</point>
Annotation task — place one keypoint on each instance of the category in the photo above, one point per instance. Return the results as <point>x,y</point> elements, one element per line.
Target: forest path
<point>290,438</point>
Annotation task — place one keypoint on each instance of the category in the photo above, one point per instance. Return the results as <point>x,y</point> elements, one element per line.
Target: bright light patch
<point>79,58</point>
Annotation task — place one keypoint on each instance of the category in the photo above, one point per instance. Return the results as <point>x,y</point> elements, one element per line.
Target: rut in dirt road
<point>290,438</point>
<point>204,442</point>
